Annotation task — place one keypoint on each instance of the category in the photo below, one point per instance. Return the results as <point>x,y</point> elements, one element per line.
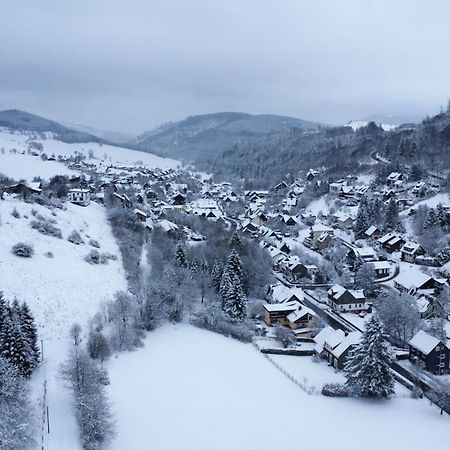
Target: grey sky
<point>129,65</point>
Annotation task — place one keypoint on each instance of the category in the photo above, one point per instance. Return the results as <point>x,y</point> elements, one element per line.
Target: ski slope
<point>189,389</point>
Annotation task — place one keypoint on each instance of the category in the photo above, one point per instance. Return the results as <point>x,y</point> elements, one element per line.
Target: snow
<point>195,390</point>
<point>59,290</point>
<point>26,166</point>
<point>356,124</point>
<point>424,342</point>
<point>319,205</point>
<point>432,202</point>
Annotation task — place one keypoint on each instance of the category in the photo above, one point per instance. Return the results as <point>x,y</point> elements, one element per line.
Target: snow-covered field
<point>193,390</point>
<point>25,166</point>
<point>59,290</point>
<point>65,288</point>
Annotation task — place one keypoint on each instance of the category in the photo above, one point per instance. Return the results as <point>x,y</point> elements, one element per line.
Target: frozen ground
<point>194,390</point>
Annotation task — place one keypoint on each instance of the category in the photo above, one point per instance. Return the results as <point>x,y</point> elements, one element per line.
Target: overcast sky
<point>129,65</point>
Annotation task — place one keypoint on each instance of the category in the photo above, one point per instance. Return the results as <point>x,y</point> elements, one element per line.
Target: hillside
<point>14,119</point>
<point>192,138</point>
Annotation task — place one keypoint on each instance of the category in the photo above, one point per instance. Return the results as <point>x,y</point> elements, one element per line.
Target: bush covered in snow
<point>22,249</point>
<point>45,227</point>
<point>95,257</point>
<point>285,336</point>
<point>335,390</point>
<point>94,243</point>
<point>48,254</point>
<point>213,319</point>
<point>15,213</point>
<point>75,238</point>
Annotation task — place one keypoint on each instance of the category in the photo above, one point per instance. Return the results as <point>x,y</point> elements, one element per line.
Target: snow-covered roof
<point>321,228</point>
<point>379,265</point>
<point>325,335</point>
<point>281,293</point>
<point>411,247</point>
<point>371,230</point>
<point>352,338</point>
<point>424,342</point>
<point>299,313</point>
<point>411,278</point>
<point>278,307</point>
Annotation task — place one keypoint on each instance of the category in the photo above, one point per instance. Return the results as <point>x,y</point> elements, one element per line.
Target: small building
<point>391,242</point>
<point>178,199</point>
<point>414,281</point>
<point>141,215</point>
<point>394,178</point>
<point>431,351</point>
<point>373,232</point>
<point>343,300</point>
<point>301,318</point>
<point>382,268</point>
<point>80,197</point>
<point>342,221</point>
<point>410,251</point>
<point>277,313</point>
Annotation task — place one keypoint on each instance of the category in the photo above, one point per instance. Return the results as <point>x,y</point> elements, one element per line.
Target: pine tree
<point>194,270</point>
<point>216,275</point>
<point>204,266</point>
<point>225,286</point>
<point>234,265</point>
<point>181,259</point>
<point>362,219</point>
<point>441,216</point>
<point>431,220</point>
<point>391,220</point>
<point>368,371</point>
<point>13,345</point>
<point>235,240</point>
<point>234,300</point>
<point>29,331</point>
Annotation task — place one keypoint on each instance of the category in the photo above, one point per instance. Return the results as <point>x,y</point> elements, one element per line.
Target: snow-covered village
<point>183,287</point>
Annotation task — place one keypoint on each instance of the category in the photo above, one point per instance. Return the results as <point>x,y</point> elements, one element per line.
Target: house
<point>320,237</point>
<point>250,228</point>
<point>342,221</point>
<point>336,345</point>
<point>373,232</point>
<point>341,299</point>
<point>431,351</point>
<point>279,293</point>
<point>382,268</point>
<point>414,281</point>
<point>336,187</point>
<point>429,307</point>
<point>80,197</point>
<point>362,254</point>
<point>394,177</point>
<point>337,355</point>
<point>141,215</point>
<point>303,317</point>
<point>288,220</point>
<point>22,189</point>
<point>277,313</point>
<point>420,189</point>
<point>410,251</point>
<point>178,199</point>
<point>391,242</point>
<point>280,186</point>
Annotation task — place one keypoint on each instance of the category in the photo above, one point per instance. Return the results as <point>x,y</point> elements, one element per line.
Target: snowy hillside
<point>21,165</point>
<point>195,390</point>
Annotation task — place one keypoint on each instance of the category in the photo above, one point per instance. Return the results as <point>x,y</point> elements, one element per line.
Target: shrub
<point>48,254</point>
<point>335,390</point>
<point>22,249</point>
<point>15,213</point>
<point>75,238</point>
<point>285,336</point>
<point>45,227</point>
<point>215,320</point>
<point>95,257</point>
<point>94,243</point>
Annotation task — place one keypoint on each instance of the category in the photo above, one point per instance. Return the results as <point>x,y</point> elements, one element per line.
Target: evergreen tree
<point>431,219</point>
<point>13,346</point>
<point>234,265</point>
<point>29,331</point>
<point>391,219</point>
<point>234,300</point>
<point>368,371</point>
<point>181,259</point>
<point>194,270</point>
<point>365,277</point>
<point>235,240</point>
<point>225,286</point>
<point>216,275</point>
<point>362,220</point>
<point>204,266</point>
<point>441,216</point>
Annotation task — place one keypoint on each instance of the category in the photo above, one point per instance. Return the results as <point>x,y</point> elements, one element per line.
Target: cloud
<point>128,65</point>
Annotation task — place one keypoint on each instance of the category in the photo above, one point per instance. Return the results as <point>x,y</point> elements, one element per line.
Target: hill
<point>192,138</point>
<point>17,120</point>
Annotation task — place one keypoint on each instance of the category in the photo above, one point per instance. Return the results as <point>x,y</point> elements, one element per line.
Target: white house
<point>80,197</point>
